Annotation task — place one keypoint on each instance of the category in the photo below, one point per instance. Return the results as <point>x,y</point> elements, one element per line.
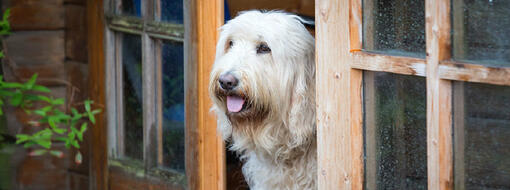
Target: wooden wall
<point>48,38</point>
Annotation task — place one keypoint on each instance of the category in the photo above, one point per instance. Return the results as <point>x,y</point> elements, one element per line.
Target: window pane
<point>173,105</point>
<point>131,7</point>
<point>394,27</point>
<point>132,95</point>
<point>171,11</point>
<point>482,136</point>
<point>481,31</point>
<point>395,131</point>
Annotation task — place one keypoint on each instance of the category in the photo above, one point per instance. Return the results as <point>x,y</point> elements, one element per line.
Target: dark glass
<point>131,8</point>
<point>395,131</point>
<point>172,11</point>
<point>132,95</point>
<point>395,27</point>
<point>481,31</point>
<point>173,105</point>
<point>482,136</point>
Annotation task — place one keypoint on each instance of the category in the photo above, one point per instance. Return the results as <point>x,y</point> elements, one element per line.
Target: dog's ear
<point>302,107</point>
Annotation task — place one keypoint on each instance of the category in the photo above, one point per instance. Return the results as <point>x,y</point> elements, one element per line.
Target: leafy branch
<point>55,124</point>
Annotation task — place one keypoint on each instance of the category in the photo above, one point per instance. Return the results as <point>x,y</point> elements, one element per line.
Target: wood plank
<point>96,57</point>
<point>149,104</point>
<point>474,73</point>
<point>76,33</point>
<point>111,93</point>
<point>386,63</point>
<point>338,99</point>
<point>205,151</point>
<point>37,16</point>
<point>46,47</point>
<point>439,121</point>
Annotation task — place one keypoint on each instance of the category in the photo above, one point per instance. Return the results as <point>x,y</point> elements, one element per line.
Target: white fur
<point>276,135</point>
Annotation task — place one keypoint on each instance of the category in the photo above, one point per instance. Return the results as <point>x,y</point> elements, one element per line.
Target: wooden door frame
<point>205,152</point>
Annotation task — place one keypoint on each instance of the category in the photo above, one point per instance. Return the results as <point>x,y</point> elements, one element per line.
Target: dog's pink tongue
<point>234,103</point>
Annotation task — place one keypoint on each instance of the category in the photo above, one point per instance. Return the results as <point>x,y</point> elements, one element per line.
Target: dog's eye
<point>262,48</point>
<point>230,43</point>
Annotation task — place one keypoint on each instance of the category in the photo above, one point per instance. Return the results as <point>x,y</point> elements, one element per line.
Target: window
<point>145,93</point>
<point>413,94</point>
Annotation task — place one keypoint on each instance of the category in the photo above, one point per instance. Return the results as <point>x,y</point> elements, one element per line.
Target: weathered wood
<point>439,121</point>
<point>474,73</point>
<point>370,130</point>
<point>174,32</point>
<point>96,57</point>
<point>122,180</point>
<point>205,152</point>
<point>46,47</point>
<point>12,3</point>
<point>150,145</point>
<point>303,7</point>
<point>337,95</point>
<point>37,16</point>
<point>76,33</point>
<point>386,63</point>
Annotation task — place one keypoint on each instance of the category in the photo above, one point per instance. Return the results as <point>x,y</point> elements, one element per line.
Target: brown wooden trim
<point>370,130</point>
<point>205,151</point>
<point>387,63</point>
<point>138,26</point>
<point>338,99</point>
<point>439,120</point>
<point>453,70</point>
<point>355,25</point>
<point>159,100</point>
<point>98,170</point>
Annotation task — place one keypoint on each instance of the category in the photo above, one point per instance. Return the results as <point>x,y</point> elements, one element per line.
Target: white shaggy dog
<point>263,88</point>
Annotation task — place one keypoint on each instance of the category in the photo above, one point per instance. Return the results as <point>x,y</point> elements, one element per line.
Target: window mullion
<point>439,93</point>
<point>149,105</point>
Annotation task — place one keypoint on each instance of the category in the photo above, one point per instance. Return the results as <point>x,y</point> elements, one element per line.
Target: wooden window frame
<point>340,63</point>
<point>205,156</point>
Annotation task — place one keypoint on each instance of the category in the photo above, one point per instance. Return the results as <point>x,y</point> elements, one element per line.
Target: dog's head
<point>264,66</point>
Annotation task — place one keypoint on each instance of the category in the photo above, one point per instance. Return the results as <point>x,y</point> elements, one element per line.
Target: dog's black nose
<point>228,81</point>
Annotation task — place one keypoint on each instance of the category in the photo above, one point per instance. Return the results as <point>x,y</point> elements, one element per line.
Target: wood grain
<point>96,56</point>
<point>46,47</point>
<point>338,100</point>
<point>386,63</point>
<point>37,16</point>
<point>474,73</point>
<point>205,151</point>
<point>439,120</point>
<point>459,134</point>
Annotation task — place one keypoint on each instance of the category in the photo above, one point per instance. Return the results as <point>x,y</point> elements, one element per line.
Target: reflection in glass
<point>394,131</point>
<point>482,136</point>
<point>131,7</point>
<point>132,95</point>
<point>173,105</point>
<point>394,27</point>
<point>172,11</point>
<point>481,31</point>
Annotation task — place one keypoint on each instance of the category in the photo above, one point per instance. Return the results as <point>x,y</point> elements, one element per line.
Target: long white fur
<point>279,151</point>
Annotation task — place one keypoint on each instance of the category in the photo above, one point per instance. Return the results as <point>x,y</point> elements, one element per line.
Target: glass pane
<point>482,136</point>
<point>394,27</point>
<point>395,131</point>
<point>173,105</point>
<point>131,7</point>
<point>171,11</point>
<point>132,95</point>
<point>481,31</point>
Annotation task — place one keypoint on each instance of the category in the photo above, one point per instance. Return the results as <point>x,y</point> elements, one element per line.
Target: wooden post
<point>339,119</point>
<point>439,120</point>
<point>98,179</point>
<point>205,151</point>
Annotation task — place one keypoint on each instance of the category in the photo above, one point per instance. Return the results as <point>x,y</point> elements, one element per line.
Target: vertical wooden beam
<point>96,56</point>
<point>205,153</point>
<point>439,120</point>
<point>339,119</point>
<point>370,130</point>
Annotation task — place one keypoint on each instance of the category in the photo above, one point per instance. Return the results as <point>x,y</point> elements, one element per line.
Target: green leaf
<point>87,105</point>
<point>46,143</point>
<point>44,98</point>
<point>78,158</point>
<point>38,152</point>
<point>30,83</point>
<point>75,144</point>
<point>17,98</point>
<point>57,153</point>
<point>83,127</point>
<point>40,88</point>
<point>63,139</point>
<point>91,118</point>
<point>6,93</point>
<point>58,101</point>
<point>40,112</point>
<point>20,138</point>
<point>12,85</point>
<point>94,112</point>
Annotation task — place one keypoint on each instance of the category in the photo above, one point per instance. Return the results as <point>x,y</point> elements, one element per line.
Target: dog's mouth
<point>235,104</point>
